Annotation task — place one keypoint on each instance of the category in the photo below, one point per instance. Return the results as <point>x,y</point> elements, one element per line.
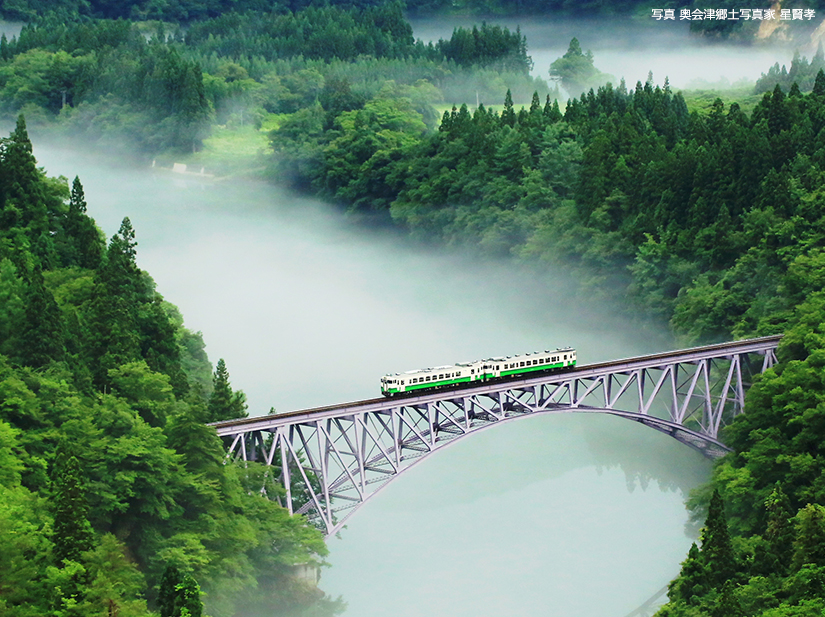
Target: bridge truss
<point>331,460</point>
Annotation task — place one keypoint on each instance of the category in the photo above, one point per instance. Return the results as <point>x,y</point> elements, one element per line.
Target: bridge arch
<point>332,460</point>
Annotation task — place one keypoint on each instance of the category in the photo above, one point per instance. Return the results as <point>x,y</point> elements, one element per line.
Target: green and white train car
<point>478,371</point>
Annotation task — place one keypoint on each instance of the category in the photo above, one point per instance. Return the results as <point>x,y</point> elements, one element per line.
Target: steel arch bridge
<point>330,460</point>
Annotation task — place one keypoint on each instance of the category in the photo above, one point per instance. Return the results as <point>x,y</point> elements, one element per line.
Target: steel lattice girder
<point>340,456</point>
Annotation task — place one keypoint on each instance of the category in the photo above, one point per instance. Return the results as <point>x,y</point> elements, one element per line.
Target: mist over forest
<point>693,210</point>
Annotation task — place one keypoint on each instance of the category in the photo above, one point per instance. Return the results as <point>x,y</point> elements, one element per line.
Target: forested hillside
<point>709,218</point>
<point>114,495</point>
<point>110,481</point>
<point>113,84</point>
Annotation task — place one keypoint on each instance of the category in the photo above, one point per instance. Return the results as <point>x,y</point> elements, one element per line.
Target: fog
<point>629,48</point>
<point>562,515</point>
<point>310,309</point>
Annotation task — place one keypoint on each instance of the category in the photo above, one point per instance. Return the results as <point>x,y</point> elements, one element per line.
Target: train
<point>480,371</point>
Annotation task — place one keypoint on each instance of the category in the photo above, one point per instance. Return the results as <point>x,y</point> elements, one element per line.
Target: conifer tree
<point>810,536</point>
<point>551,112</point>
<point>224,404</point>
<point>178,595</point>
<point>82,232</point>
<point>508,115</point>
<point>691,584</point>
<point>779,532</point>
<point>727,605</point>
<point>717,550</point>
<point>819,83</point>
<point>43,335</point>
<point>535,104</point>
<point>73,533</point>
<point>114,336</point>
<point>167,592</point>
<point>21,190</point>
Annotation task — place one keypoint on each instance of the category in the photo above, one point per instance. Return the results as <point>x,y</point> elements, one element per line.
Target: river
<point>561,515</point>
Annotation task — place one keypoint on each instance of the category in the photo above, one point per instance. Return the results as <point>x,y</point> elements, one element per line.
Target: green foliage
<point>321,33</point>
<point>92,360</point>
<point>73,534</point>
<point>224,404</point>
<point>488,46</point>
<point>179,595</point>
<point>717,550</point>
<point>802,73</point>
<point>576,70</point>
<point>774,472</point>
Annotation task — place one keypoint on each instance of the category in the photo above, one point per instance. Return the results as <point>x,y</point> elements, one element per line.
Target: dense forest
<point>109,82</point>
<point>114,495</point>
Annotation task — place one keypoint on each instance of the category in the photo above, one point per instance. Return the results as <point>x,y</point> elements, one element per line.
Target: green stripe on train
<point>451,382</point>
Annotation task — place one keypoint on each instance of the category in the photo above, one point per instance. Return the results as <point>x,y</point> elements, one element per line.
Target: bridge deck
<point>695,354</point>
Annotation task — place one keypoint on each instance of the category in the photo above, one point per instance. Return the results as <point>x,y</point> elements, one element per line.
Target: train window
<point>565,356</point>
<point>522,364</point>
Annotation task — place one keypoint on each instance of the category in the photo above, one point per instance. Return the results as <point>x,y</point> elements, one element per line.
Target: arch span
<point>331,460</point>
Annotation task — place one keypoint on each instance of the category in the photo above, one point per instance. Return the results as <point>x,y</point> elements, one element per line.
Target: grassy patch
<point>702,100</point>
<point>230,151</point>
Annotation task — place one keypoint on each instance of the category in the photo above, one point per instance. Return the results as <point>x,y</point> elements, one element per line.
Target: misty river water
<point>566,515</point>
<point>556,515</point>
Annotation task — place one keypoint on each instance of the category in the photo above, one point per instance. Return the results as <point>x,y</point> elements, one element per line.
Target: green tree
<point>717,549</point>
<point>809,546</point>
<point>727,605</point>
<point>779,533</point>
<point>73,534</point>
<point>224,404</point>
<point>21,187</point>
<point>576,70</point>
<point>508,114</point>
<point>167,591</point>
<point>82,231</point>
<point>691,584</point>
<point>42,339</point>
<point>179,595</point>
<point>189,598</point>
